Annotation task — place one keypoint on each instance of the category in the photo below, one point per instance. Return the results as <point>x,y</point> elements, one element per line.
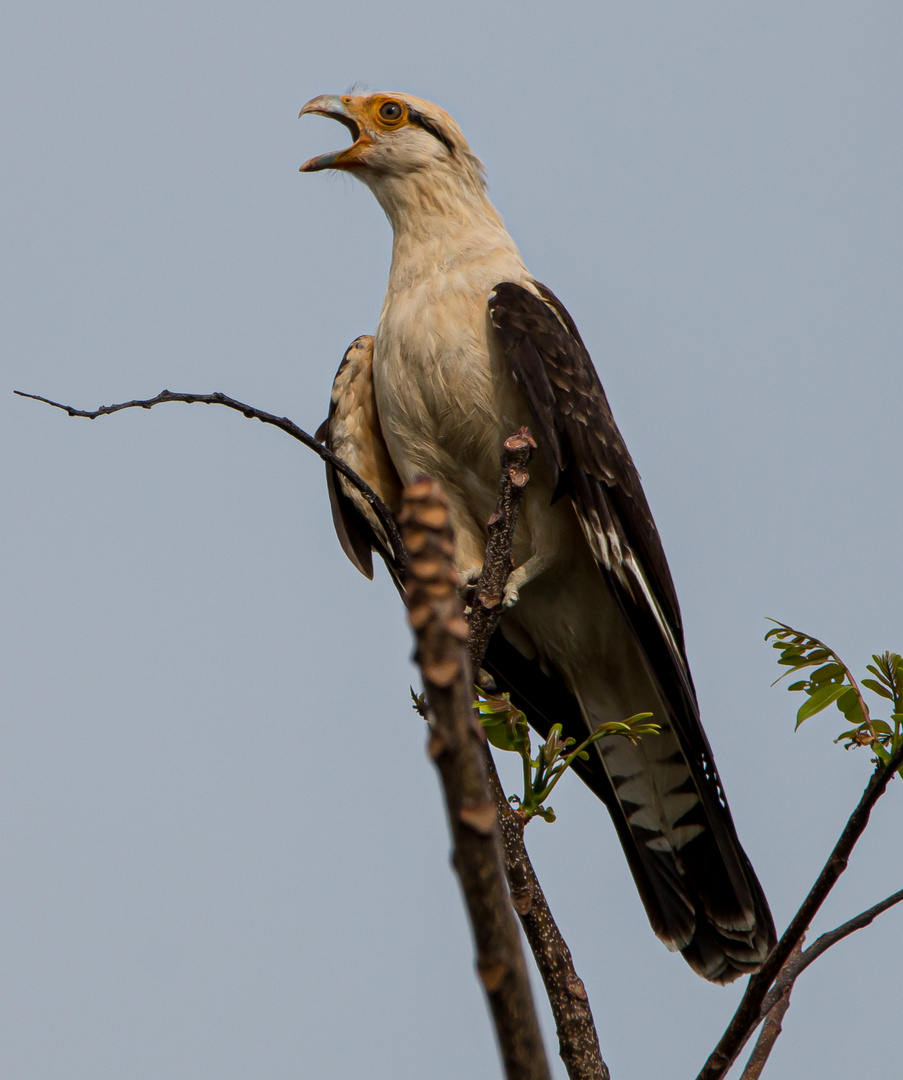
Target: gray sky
<point>223,852</point>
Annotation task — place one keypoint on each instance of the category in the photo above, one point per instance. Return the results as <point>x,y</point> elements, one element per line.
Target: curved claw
<point>511,596</point>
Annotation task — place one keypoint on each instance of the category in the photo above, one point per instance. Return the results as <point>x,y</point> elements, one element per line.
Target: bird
<point>469,348</point>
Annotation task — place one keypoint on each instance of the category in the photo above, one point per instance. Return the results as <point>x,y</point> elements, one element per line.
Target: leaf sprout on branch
<point>507,729</point>
<point>832,681</point>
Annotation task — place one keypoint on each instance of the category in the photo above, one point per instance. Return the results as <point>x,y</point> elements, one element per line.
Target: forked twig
<point>749,1012</point>
<point>777,1001</point>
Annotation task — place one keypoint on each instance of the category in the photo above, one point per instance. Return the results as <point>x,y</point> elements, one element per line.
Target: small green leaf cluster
<point>507,729</point>
<point>832,681</point>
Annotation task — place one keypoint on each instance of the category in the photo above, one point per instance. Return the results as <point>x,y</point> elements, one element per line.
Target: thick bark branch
<point>749,1011</point>
<point>382,511</point>
<point>578,1040</point>
<point>456,746</point>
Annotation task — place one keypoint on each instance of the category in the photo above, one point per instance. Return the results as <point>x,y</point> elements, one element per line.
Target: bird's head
<point>399,142</point>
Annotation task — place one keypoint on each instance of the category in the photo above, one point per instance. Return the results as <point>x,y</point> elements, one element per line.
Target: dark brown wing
<point>353,433</point>
<point>574,426</point>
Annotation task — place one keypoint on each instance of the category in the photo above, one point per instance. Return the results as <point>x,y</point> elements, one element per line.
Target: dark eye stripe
<point>428,125</point>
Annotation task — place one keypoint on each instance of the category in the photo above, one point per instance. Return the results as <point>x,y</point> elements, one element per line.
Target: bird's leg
<point>524,574</point>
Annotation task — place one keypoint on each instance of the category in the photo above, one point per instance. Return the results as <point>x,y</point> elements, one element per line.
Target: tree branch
<point>797,964</point>
<point>749,1011</point>
<point>773,1018</point>
<point>767,995</point>
<point>823,943</point>
<point>577,1036</point>
<point>456,746</point>
<point>498,562</point>
<point>578,1040</point>
<point>399,556</point>
<point>777,1001</point>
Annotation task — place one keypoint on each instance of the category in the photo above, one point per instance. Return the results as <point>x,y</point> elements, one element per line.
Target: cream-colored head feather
<point>408,151</point>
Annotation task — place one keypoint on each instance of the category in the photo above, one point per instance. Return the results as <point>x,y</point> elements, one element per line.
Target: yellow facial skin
<point>365,116</point>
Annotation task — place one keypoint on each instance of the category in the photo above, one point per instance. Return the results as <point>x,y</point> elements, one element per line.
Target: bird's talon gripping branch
<point>468,578</point>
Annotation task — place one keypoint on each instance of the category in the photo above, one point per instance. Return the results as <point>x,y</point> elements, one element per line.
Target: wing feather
<point>699,888</point>
<point>352,431</point>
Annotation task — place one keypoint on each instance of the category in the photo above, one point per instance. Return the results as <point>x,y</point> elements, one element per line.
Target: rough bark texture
<point>486,605</point>
<point>578,1040</point>
<point>457,747</point>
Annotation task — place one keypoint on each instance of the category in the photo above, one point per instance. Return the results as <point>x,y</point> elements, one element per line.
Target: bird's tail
<point>698,887</point>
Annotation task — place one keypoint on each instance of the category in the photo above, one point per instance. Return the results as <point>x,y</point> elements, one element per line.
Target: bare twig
<point>798,963</point>
<point>777,1001</point>
<point>578,1040</point>
<point>382,511</point>
<point>456,746</point>
<point>749,1011</point>
<point>823,943</point>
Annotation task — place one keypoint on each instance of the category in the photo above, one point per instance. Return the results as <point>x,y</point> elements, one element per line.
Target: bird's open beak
<point>343,110</point>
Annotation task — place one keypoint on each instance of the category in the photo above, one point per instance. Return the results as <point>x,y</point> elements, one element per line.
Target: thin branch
<point>748,1014</point>
<point>456,746</point>
<point>823,943</point>
<point>777,1001</point>
<point>773,1020</point>
<point>486,608</point>
<point>382,511</point>
<point>578,1040</point>
<point>797,964</point>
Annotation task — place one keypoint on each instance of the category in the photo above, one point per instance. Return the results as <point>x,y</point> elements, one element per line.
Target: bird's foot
<point>525,573</point>
<point>468,578</point>
<point>516,579</point>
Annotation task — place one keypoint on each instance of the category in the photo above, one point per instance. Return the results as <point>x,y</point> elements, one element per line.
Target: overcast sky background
<point>223,848</point>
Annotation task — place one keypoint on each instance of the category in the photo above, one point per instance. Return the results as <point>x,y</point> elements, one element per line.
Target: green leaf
<point>818,655</point>
<point>877,688</point>
<point>501,736</point>
<point>882,675</point>
<point>821,699</point>
<point>880,728</point>
<point>828,673</point>
<point>850,705</point>
<point>798,685</point>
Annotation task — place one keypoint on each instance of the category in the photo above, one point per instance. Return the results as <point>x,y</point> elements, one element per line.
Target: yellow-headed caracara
<point>470,347</point>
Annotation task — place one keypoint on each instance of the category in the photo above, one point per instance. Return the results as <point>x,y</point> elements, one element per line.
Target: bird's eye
<point>390,111</point>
